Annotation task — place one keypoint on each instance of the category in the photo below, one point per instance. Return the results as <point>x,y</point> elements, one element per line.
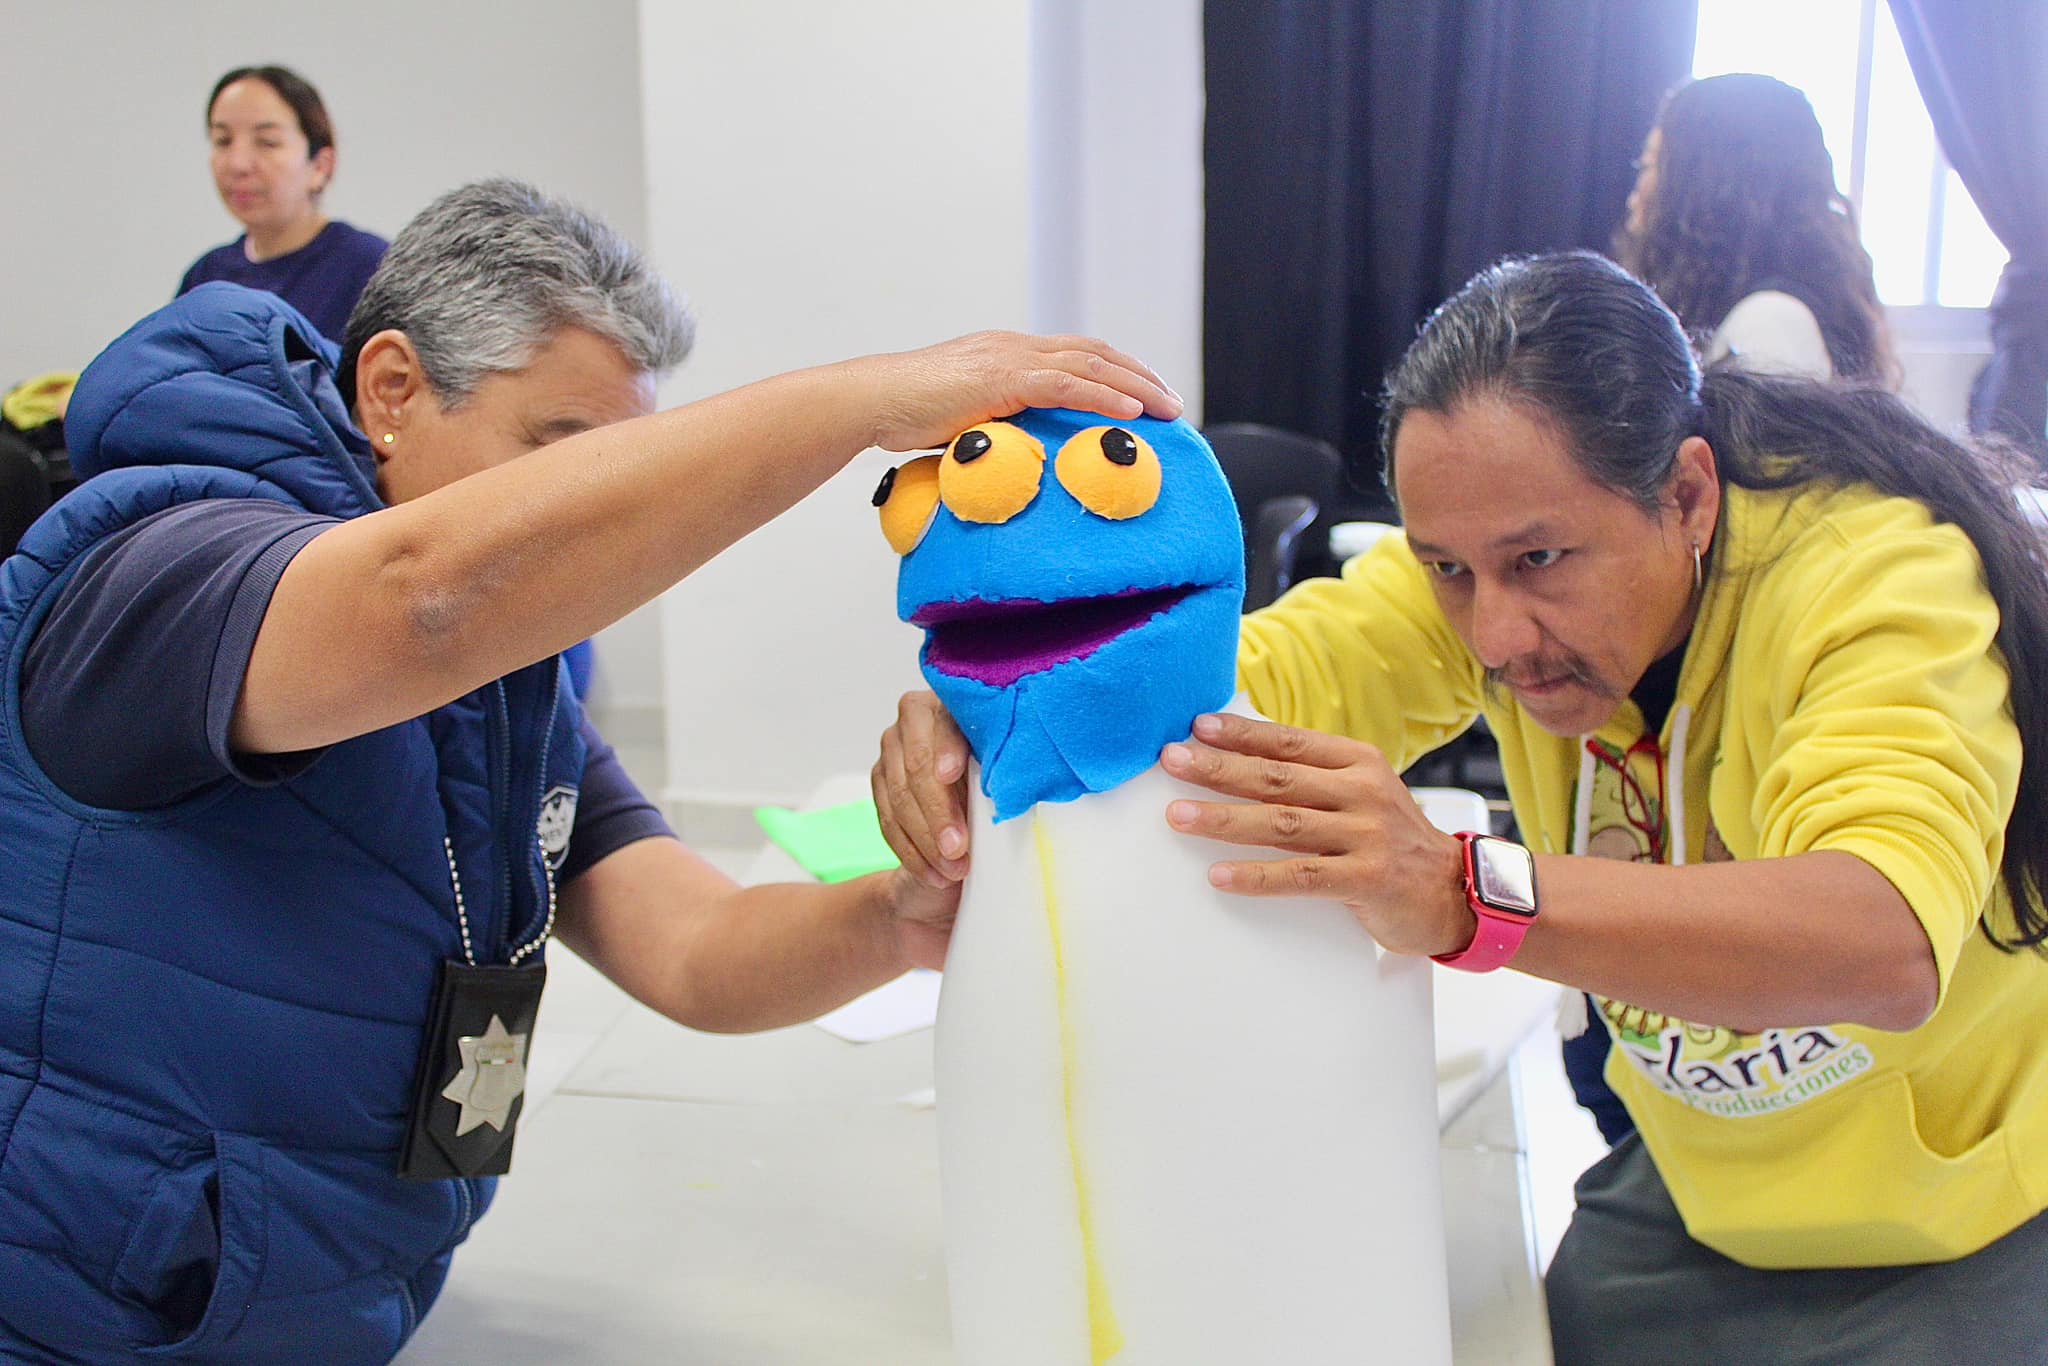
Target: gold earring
<point>390,437</point>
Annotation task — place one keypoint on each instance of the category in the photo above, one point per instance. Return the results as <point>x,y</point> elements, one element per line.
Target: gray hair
<point>486,275</point>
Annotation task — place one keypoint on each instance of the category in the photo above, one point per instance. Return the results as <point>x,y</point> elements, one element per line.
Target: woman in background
<point>273,158</point>
<point>1736,222</point>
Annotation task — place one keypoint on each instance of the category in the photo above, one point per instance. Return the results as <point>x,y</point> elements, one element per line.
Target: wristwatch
<point>1500,887</point>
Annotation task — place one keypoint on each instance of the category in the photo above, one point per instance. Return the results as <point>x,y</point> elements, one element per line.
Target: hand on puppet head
<point>1079,584</point>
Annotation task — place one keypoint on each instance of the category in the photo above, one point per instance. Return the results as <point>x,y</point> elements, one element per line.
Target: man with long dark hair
<point>1823,975</point>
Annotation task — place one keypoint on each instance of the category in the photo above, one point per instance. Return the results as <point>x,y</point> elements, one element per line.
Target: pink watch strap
<point>1498,933</point>
<point>1492,944</point>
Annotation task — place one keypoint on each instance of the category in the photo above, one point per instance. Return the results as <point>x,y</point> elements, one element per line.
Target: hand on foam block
<point>1353,831</point>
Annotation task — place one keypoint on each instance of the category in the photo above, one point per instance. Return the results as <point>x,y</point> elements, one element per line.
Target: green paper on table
<point>833,843</point>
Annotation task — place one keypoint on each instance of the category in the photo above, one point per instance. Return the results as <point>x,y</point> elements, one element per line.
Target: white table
<point>774,1198</point>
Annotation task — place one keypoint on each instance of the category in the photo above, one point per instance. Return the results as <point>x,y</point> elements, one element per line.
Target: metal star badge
<point>492,1079</point>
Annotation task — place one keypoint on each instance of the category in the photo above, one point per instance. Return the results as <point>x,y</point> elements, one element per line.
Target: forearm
<point>1817,937</point>
<point>682,938</point>
<point>782,953</point>
<point>450,590</point>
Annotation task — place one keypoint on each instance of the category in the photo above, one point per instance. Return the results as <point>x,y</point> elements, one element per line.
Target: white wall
<point>104,151</point>
<point>825,180</point>
<point>1117,166</point>
<point>1940,352</point>
<point>830,180</point>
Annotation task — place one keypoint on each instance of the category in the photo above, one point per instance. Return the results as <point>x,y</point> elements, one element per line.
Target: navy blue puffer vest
<point>211,1013</point>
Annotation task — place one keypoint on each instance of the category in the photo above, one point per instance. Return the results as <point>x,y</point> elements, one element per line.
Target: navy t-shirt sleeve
<point>130,684</point>
<point>611,813</point>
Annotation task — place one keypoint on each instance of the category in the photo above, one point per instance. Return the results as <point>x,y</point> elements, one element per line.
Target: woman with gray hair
<point>296,796</point>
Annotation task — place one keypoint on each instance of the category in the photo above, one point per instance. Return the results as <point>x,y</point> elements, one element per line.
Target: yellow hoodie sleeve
<point>1887,732</point>
<point>1367,655</point>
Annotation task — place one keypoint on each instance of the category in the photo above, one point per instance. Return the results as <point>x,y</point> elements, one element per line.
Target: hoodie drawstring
<point>1582,805</point>
<point>1681,722</point>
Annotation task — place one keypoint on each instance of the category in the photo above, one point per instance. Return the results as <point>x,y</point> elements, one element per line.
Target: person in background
<point>34,469</point>
<point>297,798</point>
<point>1736,222</point>
<point>1826,987</point>
<point>273,159</point>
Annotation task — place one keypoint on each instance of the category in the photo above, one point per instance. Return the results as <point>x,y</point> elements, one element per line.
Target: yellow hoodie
<point>1840,691</point>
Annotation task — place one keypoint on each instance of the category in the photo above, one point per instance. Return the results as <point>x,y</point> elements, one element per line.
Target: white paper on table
<point>904,1006</point>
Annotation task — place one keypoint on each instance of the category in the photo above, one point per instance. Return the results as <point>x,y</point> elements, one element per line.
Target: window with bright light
<point>1927,240</point>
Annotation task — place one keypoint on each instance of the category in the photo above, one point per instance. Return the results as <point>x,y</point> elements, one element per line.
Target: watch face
<point>1504,875</point>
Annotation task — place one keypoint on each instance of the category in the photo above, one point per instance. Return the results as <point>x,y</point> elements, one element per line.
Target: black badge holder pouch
<point>471,1083</point>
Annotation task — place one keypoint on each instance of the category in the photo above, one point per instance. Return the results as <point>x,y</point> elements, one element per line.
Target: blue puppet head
<point>1079,583</point>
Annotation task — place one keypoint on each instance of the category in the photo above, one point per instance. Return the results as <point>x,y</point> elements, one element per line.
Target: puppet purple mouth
<point>998,643</point>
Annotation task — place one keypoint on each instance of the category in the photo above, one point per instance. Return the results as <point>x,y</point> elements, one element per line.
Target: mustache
<point>1569,667</point>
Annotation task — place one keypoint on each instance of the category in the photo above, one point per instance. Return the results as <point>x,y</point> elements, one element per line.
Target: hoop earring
<point>1699,573</point>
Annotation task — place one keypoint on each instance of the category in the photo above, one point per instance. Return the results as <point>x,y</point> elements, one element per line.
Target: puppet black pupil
<point>885,488</point>
<point>1120,446</point>
<point>972,447</point>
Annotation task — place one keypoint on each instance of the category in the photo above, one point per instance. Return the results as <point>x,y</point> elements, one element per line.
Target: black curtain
<point>1366,157</point>
<point>1983,70</point>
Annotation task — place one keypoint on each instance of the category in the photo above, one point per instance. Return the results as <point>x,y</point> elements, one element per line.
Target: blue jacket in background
<point>211,1013</point>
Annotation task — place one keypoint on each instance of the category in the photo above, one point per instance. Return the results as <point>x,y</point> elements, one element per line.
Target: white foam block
<point>1245,1091</point>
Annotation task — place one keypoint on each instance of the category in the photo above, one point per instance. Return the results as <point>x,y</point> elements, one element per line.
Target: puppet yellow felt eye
<point>991,473</point>
<point>908,498</point>
<point>1111,472</point>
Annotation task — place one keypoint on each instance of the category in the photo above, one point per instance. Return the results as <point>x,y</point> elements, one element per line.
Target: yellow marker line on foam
<point>1105,1338</point>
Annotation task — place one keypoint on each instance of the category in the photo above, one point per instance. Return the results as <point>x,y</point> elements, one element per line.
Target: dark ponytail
<point>1580,340</point>
<point>1774,433</point>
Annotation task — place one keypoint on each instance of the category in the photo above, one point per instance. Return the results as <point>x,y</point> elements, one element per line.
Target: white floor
<point>679,1200</point>
<point>1560,1139</point>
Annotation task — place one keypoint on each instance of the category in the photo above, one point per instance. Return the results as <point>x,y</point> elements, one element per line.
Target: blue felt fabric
<point>1088,724</point>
